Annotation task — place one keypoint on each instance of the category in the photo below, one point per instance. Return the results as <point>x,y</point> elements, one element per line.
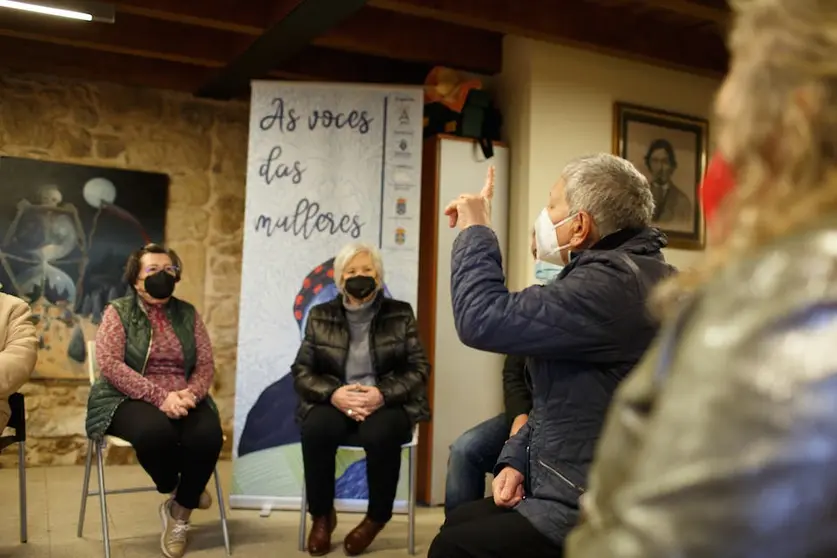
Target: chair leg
<point>222,509</point>
<point>100,446</point>
<point>21,456</point>
<point>411,504</point>
<point>303,516</point>
<point>85,488</point>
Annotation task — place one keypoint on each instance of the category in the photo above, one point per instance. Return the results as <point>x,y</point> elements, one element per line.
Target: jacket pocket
<point>555,472</point>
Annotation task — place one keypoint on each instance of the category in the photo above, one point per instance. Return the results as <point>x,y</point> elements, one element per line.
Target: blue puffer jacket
<point>582,334</point>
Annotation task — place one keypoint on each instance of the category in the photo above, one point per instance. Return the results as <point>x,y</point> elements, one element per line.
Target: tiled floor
<point>54,495</point>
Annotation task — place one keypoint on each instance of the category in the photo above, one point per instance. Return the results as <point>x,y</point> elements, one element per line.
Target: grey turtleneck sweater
<point>359,369</point>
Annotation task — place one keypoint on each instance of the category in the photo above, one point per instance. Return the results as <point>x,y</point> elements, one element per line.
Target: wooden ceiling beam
<point>371,32</point>
<point>300,21</point>
<point>378,32</point>
<point>171,41</point>
<point>79,63</point>
<point>245,17</point>
<point>318,63</point>
<point>692,10</point>
<point>134,35</point>
<point>123,59</point>
<point>614,30</point>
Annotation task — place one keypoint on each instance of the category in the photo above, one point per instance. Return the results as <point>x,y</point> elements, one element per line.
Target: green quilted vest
<point>104,398</point>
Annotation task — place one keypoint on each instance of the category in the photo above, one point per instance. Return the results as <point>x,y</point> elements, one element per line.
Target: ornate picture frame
<point>671,149</point>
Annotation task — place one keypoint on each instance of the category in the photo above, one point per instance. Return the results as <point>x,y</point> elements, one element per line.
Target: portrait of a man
<point>670,149</point>
<point>672,207</point>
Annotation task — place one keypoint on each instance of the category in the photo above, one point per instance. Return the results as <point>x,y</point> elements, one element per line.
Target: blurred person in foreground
<point>18,350</point>
<point>156,369</point>
<point>475,452</point>
<point>582,333</point>
<point>723,442</point>
<point>361,376</point>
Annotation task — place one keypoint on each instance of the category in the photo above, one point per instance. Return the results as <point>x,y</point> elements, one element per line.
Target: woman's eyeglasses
<point>170,269</point>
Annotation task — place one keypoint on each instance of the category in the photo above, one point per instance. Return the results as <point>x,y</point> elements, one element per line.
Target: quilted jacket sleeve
<point>310,385</point>
<point>399,387</point>
<point>569,317</point>
<point>514,453</point>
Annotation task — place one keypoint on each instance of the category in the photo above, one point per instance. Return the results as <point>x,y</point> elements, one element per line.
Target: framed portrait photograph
<point>671,150</point>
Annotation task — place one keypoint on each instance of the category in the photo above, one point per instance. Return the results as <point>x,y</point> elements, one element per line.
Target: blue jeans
<point>472,456</point>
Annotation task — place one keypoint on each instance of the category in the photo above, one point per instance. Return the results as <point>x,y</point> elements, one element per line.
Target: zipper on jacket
<point>150,338</point>
<point>372,357</point>
<point>560,476</point>
<point>345,325</point>
<point>527,482</point>
<point>148,352</point>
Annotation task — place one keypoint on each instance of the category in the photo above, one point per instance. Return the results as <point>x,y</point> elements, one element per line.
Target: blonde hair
<point>348,253</point>
<point>777,119</point>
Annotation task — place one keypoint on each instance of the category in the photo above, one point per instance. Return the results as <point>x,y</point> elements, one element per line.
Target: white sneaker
<point>175,533</point>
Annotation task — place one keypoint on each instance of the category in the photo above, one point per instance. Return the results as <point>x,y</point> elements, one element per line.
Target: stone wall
<point>202,146</point>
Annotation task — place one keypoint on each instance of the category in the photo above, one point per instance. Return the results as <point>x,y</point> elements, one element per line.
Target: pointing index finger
<point>488,189</point>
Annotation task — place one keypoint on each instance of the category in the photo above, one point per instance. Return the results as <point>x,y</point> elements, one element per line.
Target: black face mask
<point>159,285</point>
<point>360,286</point>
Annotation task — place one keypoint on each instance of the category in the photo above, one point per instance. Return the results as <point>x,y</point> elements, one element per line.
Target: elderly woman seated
<point>361,376</point>
<point>156,365</point>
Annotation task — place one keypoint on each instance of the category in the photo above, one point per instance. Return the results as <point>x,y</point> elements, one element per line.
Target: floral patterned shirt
<point>164,371</point>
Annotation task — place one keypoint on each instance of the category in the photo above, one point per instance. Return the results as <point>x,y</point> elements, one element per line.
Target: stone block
<point>109,147</point>
<point>186,224</point>
<point>188,189</point>
<point>225,274</point>
<point>228,218</point>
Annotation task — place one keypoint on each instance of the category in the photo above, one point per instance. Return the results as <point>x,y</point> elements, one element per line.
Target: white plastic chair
<point>412,449</point>
<point>98,447</point>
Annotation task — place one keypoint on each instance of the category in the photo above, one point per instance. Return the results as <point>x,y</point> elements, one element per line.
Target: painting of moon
<point>67,231</point>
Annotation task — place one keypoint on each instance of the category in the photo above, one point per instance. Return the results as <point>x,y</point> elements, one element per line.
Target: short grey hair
<point>611,190</point>
<point>347,254</point>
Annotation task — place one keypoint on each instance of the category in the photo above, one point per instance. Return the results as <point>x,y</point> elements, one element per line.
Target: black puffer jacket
<point>400,364</point>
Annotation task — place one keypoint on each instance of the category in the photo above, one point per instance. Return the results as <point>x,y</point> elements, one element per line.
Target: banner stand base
<point>266,504</point>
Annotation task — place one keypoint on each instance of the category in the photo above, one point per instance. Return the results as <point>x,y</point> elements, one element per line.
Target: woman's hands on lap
<point>357,401</point>
<point>373,399</point>
<point>347,399</point>
<point>188,398</point>
<point>178,403</point>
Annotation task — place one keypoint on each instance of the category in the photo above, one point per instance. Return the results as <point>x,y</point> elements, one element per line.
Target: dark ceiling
<point>213,48</point>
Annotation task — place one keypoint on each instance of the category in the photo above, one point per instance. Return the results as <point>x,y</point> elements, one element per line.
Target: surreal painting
<point>67,231</point>
<point>671,150</point>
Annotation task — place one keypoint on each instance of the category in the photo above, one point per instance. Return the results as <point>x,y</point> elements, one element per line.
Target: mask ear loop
<point>561,248</point>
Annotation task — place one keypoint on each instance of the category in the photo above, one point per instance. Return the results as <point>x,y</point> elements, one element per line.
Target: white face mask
<point>546,239</point>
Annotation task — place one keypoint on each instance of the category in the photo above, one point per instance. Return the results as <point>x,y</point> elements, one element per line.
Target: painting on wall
<point>671,150</point>
<point>67,231</point>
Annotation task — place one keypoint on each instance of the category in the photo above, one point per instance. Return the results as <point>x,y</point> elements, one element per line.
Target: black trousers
<point>178,454</point>
<point>483,530</point>
<point>381,436</point>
